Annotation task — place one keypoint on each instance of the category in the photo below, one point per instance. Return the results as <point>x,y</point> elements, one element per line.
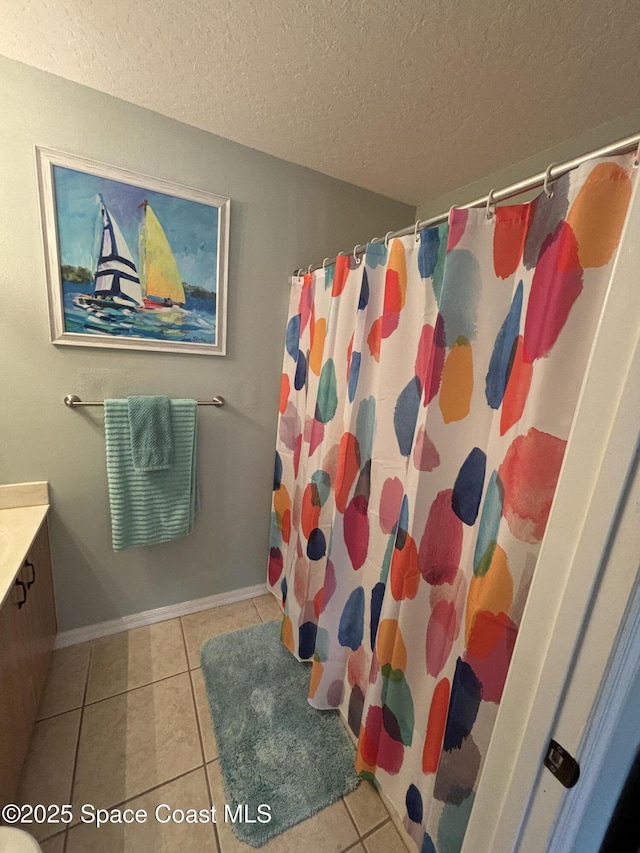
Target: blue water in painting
<point>196,324</point>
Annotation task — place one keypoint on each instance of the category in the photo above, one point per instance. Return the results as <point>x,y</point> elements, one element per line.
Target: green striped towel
<point>149,507</point>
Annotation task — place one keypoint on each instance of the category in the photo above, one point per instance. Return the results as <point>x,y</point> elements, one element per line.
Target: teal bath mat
<point>275,749</point>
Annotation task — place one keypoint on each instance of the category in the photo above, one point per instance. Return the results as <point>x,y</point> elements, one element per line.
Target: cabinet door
<point>17,696</point>
<point>40,608</point>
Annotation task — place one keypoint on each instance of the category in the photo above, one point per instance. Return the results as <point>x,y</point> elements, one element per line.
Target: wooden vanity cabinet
<point>17,697</point>
<point>40,609</point>
<point>27,634</point>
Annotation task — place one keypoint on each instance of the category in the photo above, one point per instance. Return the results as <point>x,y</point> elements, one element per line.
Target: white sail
<point>116,276</point>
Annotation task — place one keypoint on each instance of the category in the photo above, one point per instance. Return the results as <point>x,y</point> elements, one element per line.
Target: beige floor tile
<point>135,741</point>
<point>187,792</point>
<point>48,770</point>
<point>130,659</point>
<point>53,845</point>
<point>218,620</point>
<point>329,831</point>
<point>64,690</point>
<point>268,607</point>
<point>366,807</point>
<point>385,840</point>
<point>204,716</point>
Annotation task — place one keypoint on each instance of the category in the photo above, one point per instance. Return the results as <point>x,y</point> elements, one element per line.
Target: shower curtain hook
<point>309,268</point>
<point>547,177</point>
<point>355,256</point>
<point>324,263</point>
<point>488,211</point>
<point>636,160</point>
<point>451,209</point>
<point>415,231</point>
<point>386,239</point>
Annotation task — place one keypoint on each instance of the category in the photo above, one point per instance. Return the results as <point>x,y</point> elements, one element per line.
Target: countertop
<point>23,509</point>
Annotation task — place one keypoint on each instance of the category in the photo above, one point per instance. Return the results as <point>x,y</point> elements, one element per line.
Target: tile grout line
<point>200,738</point>
<point>77,752</point>
<point>353,846</point>
<point>351,818</point>
<point>59,714</point>
<point>194,702</point>
<point>52,837</point>
<point>49,680</point>
<point>142,793</point>
<point>375,829</point>
<point>258,612</point>
<point>251,601</point>
<point>138,687</point>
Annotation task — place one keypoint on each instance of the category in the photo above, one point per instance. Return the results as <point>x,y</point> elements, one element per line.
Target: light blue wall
<point>595,138</point>
<point>282,216</point>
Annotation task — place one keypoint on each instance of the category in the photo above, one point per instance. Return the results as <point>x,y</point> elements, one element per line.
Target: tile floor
<point>125,723</point>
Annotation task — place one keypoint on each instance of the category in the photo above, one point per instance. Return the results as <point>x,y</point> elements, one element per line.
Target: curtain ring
<point>355,256</point>
<point>415,231</point>
<point>324,263</point>
<point>309,268</point>
<point>488,211</point>
<point>636,160</point>
<point>547,177</point>
<point>451,209</point>
<point>386,239</point>
<point>375,240</point>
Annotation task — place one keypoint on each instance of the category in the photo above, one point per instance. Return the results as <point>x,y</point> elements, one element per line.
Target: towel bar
<point>73,401</point>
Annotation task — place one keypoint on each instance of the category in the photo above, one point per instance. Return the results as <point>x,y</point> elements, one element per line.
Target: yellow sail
<point>162,278</point>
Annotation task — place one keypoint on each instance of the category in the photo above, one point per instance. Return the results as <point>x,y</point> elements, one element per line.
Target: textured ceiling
<point>410,99</point>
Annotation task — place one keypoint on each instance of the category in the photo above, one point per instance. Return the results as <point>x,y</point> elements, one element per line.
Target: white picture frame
<point>132,262</point>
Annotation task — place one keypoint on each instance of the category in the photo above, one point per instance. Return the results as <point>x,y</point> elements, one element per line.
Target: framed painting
<point>133,262</point>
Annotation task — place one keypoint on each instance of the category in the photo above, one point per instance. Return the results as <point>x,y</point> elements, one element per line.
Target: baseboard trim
<point>159,614</point>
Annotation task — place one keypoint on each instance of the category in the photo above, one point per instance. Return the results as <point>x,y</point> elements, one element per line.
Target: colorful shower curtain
<point>426,400</point>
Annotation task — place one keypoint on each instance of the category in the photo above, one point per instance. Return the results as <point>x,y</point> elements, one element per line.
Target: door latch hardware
<point>23,600</point>
<point>563,766</point>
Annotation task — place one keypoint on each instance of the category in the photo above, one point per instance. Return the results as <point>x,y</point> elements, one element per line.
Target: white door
<point>581,587</point>
<point>599,717</point>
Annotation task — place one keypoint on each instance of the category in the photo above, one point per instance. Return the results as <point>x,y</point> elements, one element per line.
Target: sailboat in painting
<point>147,300</point>
<point>119,288</point>
<point>116,283</point>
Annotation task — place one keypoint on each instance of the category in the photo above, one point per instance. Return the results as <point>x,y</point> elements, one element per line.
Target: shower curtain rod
<point>553,172</point>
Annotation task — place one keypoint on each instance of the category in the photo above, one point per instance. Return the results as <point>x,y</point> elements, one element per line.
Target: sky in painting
<point>191,227</point>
